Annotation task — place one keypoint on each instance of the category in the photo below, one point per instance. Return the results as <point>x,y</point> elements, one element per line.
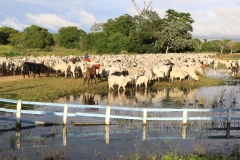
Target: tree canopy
<point>33,37</point>
<point>5,33</point>
<point>69,37</point>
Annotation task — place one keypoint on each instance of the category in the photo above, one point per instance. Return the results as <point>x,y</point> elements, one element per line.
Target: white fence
<point>228,116</point>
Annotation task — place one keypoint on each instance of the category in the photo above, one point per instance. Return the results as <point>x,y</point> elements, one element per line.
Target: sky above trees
<point>214,19</point>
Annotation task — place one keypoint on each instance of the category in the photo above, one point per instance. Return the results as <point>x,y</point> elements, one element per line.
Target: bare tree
<point>146,7</point>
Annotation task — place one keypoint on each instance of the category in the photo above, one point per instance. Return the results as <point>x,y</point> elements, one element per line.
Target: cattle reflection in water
<point>88,99</point>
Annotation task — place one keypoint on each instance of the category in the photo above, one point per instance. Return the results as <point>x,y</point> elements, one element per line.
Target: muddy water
<point>123,137</point>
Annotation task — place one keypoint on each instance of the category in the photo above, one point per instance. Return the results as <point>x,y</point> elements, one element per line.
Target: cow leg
<point>95,79</point>
<point>84,80</point>
<point>89,80</point>
<point>66,74</point>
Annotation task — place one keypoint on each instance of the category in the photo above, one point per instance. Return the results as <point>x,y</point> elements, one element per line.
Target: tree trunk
<point>221,49</point>
<point>166,50</point>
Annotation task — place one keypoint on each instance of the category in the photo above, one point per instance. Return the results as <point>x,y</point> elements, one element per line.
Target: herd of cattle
<point>117,69</point>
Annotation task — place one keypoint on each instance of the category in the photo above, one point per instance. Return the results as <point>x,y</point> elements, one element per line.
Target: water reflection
<point>88,99</point>
<point>206,97</point>
<point>112,133</point>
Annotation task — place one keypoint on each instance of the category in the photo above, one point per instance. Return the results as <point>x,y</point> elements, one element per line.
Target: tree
<point>209,46</point>
<point>174,35</point>
<point>38,37</point>
<point>175,32</point>
<point>197,45</point>
<point>222,44</point>
<point>148,24</point>
<point>5,33</point>
<point>118,42</point>
<point>233,46</point>
<point>33,37</point>
<point>97,27</point>
<point>69,37</point>
<point>100,42</point>
<point>138,42</point>
<point>123,24</point>
<point>17,40</point>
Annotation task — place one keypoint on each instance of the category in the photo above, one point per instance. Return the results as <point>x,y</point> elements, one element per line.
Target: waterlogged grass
<point>168,151</point>
<point>48,89</point>
<point>188,83</point>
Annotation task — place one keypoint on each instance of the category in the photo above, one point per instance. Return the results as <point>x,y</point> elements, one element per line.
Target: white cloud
<point>217,24</point>
<point>50,21</point>
<point>87,18</point>
<point>132,11</point>
<point>161,13</point>
<point>12,22</point>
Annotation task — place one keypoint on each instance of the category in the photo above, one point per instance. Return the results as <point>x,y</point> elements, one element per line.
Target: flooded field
<point>122,137</point>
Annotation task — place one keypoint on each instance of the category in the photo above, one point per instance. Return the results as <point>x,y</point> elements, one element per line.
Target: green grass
<point>47,89</point>
<point>189,83</point>
<point>9,51</point>
<point>228,56</point>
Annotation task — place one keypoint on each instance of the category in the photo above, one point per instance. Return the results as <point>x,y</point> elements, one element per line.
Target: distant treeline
<point>143,33</point>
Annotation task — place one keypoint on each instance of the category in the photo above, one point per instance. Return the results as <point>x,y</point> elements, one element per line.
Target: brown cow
<point>90,74</point>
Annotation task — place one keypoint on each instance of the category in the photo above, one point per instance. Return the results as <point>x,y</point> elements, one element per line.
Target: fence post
<point>144,132</point>
<point>107,119</point>
<point>18,114</point>
<point>145,116</point>
<point>64,133</point>
<point>184,131</point>
<point>184,116</point>
<point>18,136</point>
<point>107,133</point>
<point>229,115</point>
<point>65,114</point>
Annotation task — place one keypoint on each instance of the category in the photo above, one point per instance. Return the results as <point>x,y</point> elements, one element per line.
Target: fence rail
<point>184,118</point>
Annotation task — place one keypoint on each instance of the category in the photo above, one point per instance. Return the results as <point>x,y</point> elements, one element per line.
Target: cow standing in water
<point>235,67</point>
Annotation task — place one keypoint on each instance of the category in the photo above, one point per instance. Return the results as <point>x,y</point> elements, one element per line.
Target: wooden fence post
<point>144,132</point>
<point>107,119</point>
<point>229,115</point>
<point>65,114</point>
<point>64,133</point>
<point>145,116</point>
<point>18,114</point>
<point>184,131</point>
<point>18,136</point>
<point>107,133</point>
<point>184,116</point>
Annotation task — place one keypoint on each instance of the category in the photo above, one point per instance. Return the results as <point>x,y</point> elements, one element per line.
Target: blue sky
<point>214,19</point>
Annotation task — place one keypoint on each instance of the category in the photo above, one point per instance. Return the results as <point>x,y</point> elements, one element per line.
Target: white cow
<point>62,67</point>
<point>193,75</point>
<point>158,73</point>
<point>142,80</point>
<point>178,74</point>
<point>121,81</point>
